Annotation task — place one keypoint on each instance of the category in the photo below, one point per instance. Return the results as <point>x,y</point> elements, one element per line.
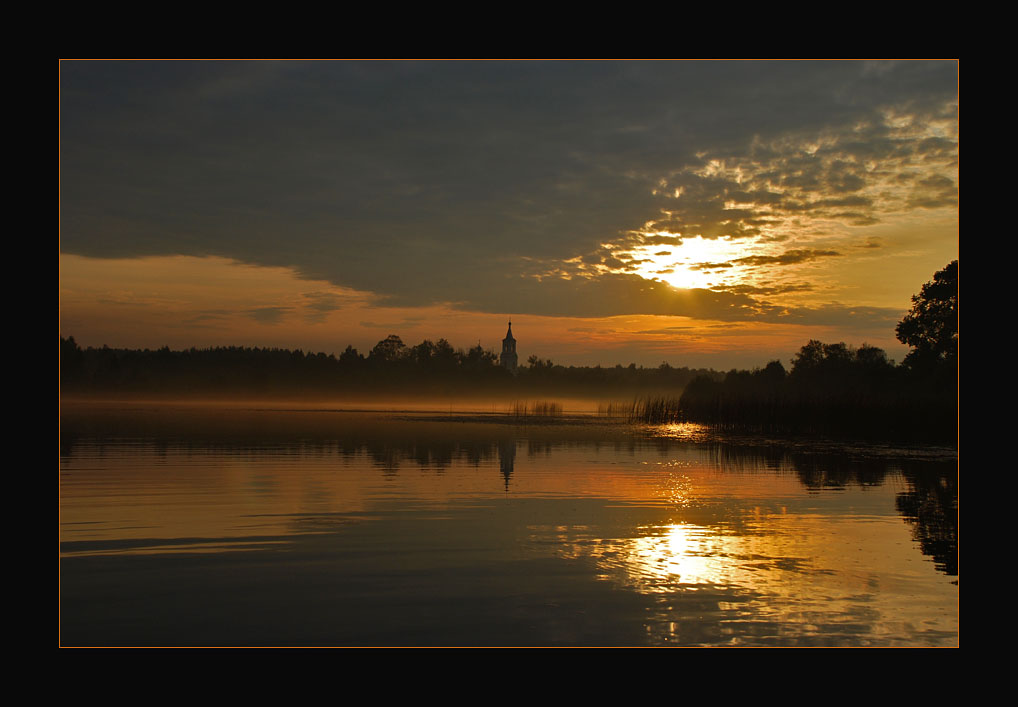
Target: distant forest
<point>390,368</point>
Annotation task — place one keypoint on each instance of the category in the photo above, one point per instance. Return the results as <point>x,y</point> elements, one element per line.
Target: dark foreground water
<point>246,526</point>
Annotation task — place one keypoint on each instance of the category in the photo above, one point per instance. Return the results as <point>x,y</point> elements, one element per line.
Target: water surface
<point>220,525</point>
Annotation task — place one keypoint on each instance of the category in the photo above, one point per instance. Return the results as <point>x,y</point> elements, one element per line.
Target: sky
<point>716,214</point>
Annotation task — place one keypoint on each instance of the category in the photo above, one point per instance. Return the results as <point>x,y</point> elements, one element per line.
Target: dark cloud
<point>937,181</point>
<point>212,315</point>
<point>611,294</point>
<point>877,319</point>
<point>764,290</point>
<point>208,319</point>
<point>937,201</point>
<point>457,182</point>
<point>658,240</point>
<point>670,330</point>
<point>937,147</point>
<point>405,322</point>
<point>774,238</point>
<point>269,315</point>
<point>858,320</point>
<point>843,201</point>
<point>756,196</point>
<point>935,191</point>
<point>318,305</point>
<point>324,301</point>
<point>710,266</point>
<point>857,218</point>
<point>789,257</point>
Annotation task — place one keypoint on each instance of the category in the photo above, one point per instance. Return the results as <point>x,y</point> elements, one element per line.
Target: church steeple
<point>508,358</point>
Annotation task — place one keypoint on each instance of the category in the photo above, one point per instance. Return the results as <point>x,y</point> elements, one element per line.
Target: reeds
<point>650,410</point>
<point>885,403</point>
<point>524,409</point>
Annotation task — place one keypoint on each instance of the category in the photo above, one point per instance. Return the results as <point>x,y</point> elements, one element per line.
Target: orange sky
<point>617,211</point>
<point>183,301</point>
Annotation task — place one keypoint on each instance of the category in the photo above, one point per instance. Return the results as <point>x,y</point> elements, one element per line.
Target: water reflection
<point>790,581</point>
<point>393,442</point>
<point>930,505</point>
<point>578,533</point>
<point>507,459</point>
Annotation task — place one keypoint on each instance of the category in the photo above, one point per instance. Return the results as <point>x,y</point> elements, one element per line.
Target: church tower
<point>508,358</point>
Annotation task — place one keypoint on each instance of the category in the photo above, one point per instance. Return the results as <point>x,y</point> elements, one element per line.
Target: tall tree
<point>931,327</point>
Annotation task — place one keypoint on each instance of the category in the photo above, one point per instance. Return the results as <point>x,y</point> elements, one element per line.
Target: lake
<point>274,525</point>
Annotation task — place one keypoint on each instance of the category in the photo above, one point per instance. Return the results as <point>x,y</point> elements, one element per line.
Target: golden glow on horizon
<point>182,301</point>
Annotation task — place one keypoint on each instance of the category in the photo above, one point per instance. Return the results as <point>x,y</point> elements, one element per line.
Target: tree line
<point>390,367</point>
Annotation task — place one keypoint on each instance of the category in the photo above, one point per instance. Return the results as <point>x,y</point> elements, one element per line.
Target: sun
<point>696,262</point>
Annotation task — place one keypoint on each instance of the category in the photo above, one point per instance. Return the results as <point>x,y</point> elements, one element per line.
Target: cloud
<point>789,257</point>
<point>324,301</point>
<point>480,183</point>
<point>208,317</point>
<point>269,315</point>
<point>765,290</point>
<point>405,322</point>
<point>935,191</point>
<point>319,305</point>
<point>695,329</point>
<point>657,239</point>
<point>710,266</point>
<point>607,295</point>
<point>840,316</point>
<point>765,191</point>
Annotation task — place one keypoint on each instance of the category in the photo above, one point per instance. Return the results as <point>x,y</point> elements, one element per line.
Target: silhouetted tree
<point>391,348</point>
<point>872,357</point>
<point>809,357</point>
<point>539,363</point>
<point>350,357</point>
<point>773,372</point>
<point>444,356</point>
<point>477,359</point>
<point>71,358</point>
<point>422,354</point>
<point>837,354</point>
<point>931,327</point>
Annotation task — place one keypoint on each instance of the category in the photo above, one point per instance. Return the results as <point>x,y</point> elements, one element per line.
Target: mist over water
<point>464,524</point>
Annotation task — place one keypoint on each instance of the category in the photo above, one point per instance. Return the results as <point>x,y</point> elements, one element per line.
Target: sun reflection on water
<point>686,554</point>
<point>684,431</point>
<point>662,559</point>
